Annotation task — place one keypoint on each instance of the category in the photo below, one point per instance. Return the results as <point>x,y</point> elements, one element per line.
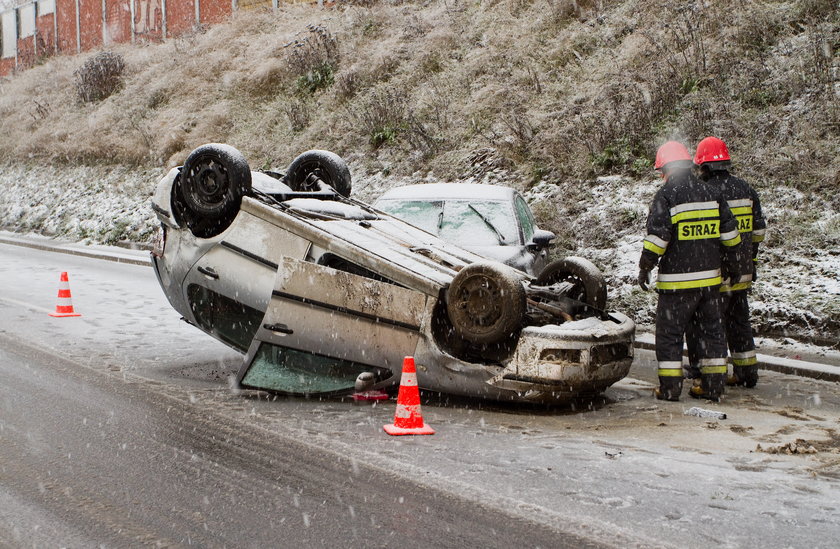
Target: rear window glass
<point>286,370</point>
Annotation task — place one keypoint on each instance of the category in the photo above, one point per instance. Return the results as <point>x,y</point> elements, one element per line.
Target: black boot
<point>746,376</point>
<point>711,387</point>
<point>669,388</point>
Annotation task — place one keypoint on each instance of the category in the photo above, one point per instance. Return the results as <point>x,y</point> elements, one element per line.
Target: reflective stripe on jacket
<point>689,226</point>
<point>745,206</point>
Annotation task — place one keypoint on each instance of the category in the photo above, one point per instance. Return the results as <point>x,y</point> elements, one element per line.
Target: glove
<point>731,272</point>
<point>644,278</point>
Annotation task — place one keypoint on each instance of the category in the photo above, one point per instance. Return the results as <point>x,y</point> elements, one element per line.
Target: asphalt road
<point>92,456</point>
<point>120,428</point>
<point>89,459</point>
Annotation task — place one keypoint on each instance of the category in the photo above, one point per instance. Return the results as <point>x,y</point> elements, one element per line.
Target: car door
<point>229,287</point>
<point>324,326</point>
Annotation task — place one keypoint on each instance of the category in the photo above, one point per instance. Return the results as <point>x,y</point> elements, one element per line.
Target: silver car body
<point>276,283</point>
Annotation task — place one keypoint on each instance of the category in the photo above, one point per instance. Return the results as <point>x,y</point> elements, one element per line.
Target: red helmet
<point>711,149</point>
<point>670,152</point>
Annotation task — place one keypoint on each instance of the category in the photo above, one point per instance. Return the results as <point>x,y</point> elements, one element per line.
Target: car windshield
<point>464,222</point>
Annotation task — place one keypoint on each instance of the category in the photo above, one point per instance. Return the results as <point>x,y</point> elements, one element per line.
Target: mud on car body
<point>317,288</point>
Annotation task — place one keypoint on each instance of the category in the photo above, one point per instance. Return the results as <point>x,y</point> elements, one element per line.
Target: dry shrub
<point>313,59</point>
<point>560,10</point>
<point>100,76</point>
<point>298,114</point>
<point>385,118</point>
<point>347,84</point>
<point>381,116</point>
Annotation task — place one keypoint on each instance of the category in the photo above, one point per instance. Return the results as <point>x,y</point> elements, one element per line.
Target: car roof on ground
<point>444,191</point>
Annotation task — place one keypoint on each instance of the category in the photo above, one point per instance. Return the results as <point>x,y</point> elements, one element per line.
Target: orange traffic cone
<point>407,418</point>
<point>65,303</point>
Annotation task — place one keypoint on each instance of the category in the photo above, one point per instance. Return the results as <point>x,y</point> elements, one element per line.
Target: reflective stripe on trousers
<point>696,311</point>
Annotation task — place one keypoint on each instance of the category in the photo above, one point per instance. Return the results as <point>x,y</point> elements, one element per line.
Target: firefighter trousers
<point>735,308</point>
<point>735,311</point>
<point>695,312</point>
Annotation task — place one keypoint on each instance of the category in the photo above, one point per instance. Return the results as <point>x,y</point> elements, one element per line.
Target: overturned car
<point>318,289</point>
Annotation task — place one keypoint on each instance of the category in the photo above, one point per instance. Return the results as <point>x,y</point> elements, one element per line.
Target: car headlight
<point>159,242</point>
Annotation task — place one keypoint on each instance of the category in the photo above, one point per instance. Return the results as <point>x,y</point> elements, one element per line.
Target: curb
<point>133,257</point>
<point>802,368</point>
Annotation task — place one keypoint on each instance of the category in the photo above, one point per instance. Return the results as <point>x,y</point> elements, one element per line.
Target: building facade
<point>33,29</point>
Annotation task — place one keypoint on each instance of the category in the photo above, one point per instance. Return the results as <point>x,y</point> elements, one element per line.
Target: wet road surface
<point>89,458</point>
<point>120,426</point>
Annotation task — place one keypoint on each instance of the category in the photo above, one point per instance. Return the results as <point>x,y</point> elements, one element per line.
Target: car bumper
<point>559,363</point>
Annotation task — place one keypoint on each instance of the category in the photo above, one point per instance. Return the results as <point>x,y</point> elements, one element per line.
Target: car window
<point>526,218</point>
<point>232,322</point>
<point>420,213</point>
<point>479,223</point>
<point>277,368</point>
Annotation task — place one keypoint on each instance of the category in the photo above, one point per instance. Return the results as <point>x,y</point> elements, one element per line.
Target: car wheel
<point>589,285</point>
<point>325,165</point>
<point>486,303</point>
<point>213,180</point>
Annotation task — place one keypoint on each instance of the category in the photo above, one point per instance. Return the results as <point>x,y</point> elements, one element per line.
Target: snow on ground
<point>88,204</point>
<point>798,293</point>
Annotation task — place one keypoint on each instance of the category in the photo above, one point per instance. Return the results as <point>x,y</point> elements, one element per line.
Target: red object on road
<point>407,418</point>
<point>370,396</point>
<point>65,303</point>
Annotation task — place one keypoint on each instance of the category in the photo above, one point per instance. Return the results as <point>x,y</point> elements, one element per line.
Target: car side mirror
<point>541,239</point>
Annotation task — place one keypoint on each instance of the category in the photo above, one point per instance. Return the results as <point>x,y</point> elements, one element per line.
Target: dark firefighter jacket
<point>745,206</point>
<point>689,228</point>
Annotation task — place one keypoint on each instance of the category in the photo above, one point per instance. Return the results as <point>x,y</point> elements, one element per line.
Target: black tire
<point>590,287</point>
<point>486,303</point>
<point>213,180</point>
<point>327,166</point>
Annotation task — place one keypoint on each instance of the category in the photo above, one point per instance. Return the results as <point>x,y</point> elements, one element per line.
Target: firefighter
<point>713,162</point>
<point>690,230</point>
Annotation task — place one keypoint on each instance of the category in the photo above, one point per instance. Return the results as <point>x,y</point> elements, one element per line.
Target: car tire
<point>327,166</point>
<point>486,303</point>
<point>213,180</point>
<point>590,287</point>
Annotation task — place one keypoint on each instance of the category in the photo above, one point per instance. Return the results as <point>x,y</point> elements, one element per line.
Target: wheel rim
<point>578,287</point>
<point>585,280</point>
<point>477,304</point>
<point>207,184</point>
<point>314,168</point>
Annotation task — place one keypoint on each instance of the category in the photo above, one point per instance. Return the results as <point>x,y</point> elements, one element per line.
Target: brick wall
<point>215,11</point>
<point>56,27</point>
<point>65,17</point>
<point>90,22</point>
<point>180,16</point>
